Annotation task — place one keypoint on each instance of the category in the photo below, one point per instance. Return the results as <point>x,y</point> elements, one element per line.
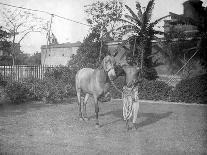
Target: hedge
<point>193,90</point>
<point>60,83</point>
<point>17,92</point>
<point>148,90</point>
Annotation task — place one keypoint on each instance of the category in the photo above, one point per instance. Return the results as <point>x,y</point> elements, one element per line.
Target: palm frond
<point>128,27</point>
<point>139,13</point>
<point>132,12</point>
<point>126,21</point>
<point>138,22</point>
<point>148,12</point>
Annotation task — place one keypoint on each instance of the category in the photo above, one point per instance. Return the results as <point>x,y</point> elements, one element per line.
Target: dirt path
<point>55,129</point>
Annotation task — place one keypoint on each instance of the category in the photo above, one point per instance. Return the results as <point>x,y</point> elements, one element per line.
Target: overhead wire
<point>36,10</point>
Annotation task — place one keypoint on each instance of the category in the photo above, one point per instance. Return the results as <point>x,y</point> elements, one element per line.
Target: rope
<point>113,84</point>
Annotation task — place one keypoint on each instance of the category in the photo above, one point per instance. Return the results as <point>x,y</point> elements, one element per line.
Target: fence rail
<point>20,72</point>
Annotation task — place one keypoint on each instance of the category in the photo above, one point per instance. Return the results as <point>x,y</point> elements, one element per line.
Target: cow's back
<point>84,79</point>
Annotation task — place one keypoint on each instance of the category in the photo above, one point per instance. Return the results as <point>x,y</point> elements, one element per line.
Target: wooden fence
<point>19,72</point>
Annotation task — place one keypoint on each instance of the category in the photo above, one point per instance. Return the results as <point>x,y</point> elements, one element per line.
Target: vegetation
<point>187,45</point>
<point>192,90</point>
<point>17,92</point>
<point>87,55</point>
<point>5,45</point>
<point>103,19</point>
<point>141,32</point>
<point>201,25</point>
<point>19,24</point>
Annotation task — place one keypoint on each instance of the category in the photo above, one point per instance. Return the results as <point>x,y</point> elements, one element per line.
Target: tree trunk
<point>100,52</point>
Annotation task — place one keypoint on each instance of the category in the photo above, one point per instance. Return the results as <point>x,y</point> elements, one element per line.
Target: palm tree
<point>141,32</point>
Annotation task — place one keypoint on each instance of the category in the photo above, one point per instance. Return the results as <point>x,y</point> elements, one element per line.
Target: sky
<point>67,31</point>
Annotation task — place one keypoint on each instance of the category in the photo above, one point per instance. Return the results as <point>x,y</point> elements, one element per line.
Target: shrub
<point>36,87</point>
<point>193,90</point>
<point>17,92</point>
<point>148,90</point>
<point>47,89</point>
<point>57,84</point>
<point>65,77</point>
<point>154,90</point>
<point>2,81</point>
<point>119,83</point>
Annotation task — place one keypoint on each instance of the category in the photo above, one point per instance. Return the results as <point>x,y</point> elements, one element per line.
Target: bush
<point>17,92</point>
<point>36,87</point>
<point>193,90</point>
<point>2,81</point>
<point>47,89</point>
<point>65,77</point>
<point>154,90</point>
<point>148,90</point>
<point>119,83</point>
<point>59,82</point>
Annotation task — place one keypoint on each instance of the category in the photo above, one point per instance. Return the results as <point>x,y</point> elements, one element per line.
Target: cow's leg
<point>96,110</point>
<point>135,112</point>
<point>84,107</point>
<point>79,103</point>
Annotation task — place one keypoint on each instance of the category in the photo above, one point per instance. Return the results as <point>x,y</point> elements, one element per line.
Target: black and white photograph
<point>103,77</point>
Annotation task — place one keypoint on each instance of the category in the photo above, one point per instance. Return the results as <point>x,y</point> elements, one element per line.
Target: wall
<point>58,54</point>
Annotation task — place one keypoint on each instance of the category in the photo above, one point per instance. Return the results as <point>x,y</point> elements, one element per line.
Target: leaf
<point>136,22</point>
<point>132,13</point>
<point>139,13</point>
<point>148,12</point>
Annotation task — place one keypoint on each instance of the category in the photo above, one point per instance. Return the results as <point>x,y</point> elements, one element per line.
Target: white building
<point>58,54</point>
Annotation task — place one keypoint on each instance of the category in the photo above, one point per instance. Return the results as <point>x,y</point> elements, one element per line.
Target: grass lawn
<point>37,128</point>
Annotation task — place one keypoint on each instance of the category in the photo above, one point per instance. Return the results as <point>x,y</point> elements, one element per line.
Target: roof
<point>64,45</point>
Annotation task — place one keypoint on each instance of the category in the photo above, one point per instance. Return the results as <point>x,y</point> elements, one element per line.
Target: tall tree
<point>141,31</point>
<point>103,18</point>
<point>5,47</point>
<point>19,24</point>
<point>87,55</point>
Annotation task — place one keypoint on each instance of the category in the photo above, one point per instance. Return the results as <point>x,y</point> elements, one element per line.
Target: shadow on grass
<point>151,118</point>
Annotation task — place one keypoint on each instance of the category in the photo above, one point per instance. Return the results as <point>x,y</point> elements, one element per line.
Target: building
<point>58,54</point>
<point>192,9</point>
